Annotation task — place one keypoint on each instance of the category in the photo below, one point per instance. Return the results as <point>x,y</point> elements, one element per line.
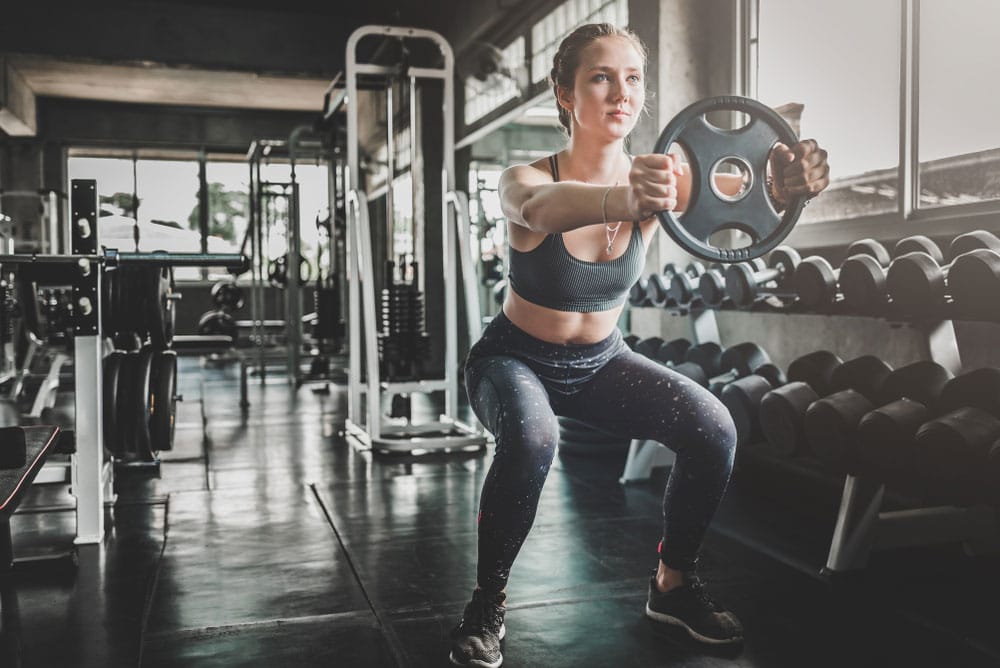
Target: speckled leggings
<point>518,384</point>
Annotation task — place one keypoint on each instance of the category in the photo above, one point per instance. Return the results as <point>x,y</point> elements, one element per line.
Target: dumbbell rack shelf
<point>862,526</point>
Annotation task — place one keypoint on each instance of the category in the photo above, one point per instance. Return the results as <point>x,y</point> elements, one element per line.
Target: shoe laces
<point>484,613</point>
<point>700,591</point>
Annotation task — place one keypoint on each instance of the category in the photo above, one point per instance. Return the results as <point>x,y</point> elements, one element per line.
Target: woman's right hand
<point>653,184</point>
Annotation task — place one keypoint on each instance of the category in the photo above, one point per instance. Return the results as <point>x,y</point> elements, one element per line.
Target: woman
<point>555,348</point>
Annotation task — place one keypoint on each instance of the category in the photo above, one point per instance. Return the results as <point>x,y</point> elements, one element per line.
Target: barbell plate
<point>708,213</point>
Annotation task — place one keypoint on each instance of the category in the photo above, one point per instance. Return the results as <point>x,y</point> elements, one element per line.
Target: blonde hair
<point>567,58</point>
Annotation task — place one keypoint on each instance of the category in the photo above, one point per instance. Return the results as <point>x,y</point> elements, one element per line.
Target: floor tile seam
<point>147,606</point>
<point>377,538</point>
<point>620,590</point>
<point>193,633</point>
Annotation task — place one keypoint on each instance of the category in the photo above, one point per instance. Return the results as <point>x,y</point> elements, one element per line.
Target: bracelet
<point>604,203</point>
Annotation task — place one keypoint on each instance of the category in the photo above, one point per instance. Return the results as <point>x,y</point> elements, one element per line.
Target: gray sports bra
<point>548,275</point>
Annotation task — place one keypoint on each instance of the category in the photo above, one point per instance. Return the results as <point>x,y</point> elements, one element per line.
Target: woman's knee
<point>526,436</point>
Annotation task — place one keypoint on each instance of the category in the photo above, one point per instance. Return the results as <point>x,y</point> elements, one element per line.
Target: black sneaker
<point>691,608</point>
<point>476,639</point>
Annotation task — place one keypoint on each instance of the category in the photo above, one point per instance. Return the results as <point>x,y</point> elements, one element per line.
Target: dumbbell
<point>630,341</point>
<point>743,285</point>
<point>710,366</point>
<point>712,284</point>
<point>816,280</point>
<point>673,351</point>
<point>637,293</point>
<point>831,423</point>
<point>682,284</point>
<point>916,281</point>
<point>886,435</point>
<point>974,284</point>
<point>649,346</point>
<point>993,471</point>
<point>862,278</point>
<point>742,398</point>
<point>811,377</point>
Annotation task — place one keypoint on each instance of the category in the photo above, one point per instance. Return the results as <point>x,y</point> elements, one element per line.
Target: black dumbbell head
<point>974,283</point>
<point>815,281</point>
<point>885,441</point>
<point>862,282</point>
<point>707,355</point>
<point>918,244</point>
<point>915,282</point>
<point>771,373</point>
<point>921,381</point>
<point>863,374</point>
<point>693,371</point>
<point>871,248</point>
<point>785,258</point>
<point>649,347</point>
<point>979,388</point>
<point>975,240</point>
<point>781,416</point>
<point>831,429</point>
<point>743,358</point>
<point>673,351</point>
<point>952,454</point>
<point>742,397</point>
<point>712,288</point>
<point>815,369</point>
<point>631,340</point>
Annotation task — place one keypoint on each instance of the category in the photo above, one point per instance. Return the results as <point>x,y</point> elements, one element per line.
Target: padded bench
<point>23,451</point>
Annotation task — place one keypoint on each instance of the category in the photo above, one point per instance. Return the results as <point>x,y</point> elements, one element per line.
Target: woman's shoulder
<point>532,173</point>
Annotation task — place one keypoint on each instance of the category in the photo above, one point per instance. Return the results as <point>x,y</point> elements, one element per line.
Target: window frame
<point>908,218</point>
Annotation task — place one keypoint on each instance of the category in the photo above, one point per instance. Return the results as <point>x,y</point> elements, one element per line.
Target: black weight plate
<point>143,401</point>
<point>158,307</point>
<point>163,401</point>
<point>706,146</point>
<point>125,403</point>
<point>112,367</point>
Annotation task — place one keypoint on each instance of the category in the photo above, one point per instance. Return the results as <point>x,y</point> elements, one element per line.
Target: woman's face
<point>609,90</point>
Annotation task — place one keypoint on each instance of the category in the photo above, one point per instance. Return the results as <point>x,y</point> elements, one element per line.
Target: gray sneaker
<point>476,639</point>
<point>689,607</point>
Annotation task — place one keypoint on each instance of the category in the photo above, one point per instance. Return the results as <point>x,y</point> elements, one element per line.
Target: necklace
<point>611,233</point>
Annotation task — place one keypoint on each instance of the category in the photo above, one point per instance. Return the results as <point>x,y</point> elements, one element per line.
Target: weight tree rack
<point>92,478</point>
<point>862,526</point>
<point>366,426</point>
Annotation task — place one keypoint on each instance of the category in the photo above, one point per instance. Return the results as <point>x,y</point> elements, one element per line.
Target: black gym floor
<point>271,542</point>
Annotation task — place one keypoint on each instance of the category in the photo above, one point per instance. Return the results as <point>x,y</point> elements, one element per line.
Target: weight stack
<point>329,317</point>
<point>403,343</point>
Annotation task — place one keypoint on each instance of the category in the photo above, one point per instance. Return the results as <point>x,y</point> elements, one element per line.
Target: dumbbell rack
<point>862,526</point>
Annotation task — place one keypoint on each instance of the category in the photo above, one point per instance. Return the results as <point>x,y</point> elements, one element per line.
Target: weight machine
<point>275,211</point>
<point>386,356</point>
<point>92,473</point>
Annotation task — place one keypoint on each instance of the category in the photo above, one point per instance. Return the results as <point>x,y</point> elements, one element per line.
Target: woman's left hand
<point>799,171</point>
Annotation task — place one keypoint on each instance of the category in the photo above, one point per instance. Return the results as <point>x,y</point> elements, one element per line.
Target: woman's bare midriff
<point>559,326</point>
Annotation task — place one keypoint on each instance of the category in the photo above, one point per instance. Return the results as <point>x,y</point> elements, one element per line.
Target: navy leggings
<point>517,386</point>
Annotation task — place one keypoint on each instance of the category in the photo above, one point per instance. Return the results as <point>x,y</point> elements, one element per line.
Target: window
<point>845,76</point>
<point>959,105</point>
<point>484,95</point>
<point>164,195</point>
<point>550,31</point>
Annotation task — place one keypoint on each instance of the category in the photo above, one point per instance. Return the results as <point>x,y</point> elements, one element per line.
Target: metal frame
<point>369,428</point>
<point>92,477</point>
